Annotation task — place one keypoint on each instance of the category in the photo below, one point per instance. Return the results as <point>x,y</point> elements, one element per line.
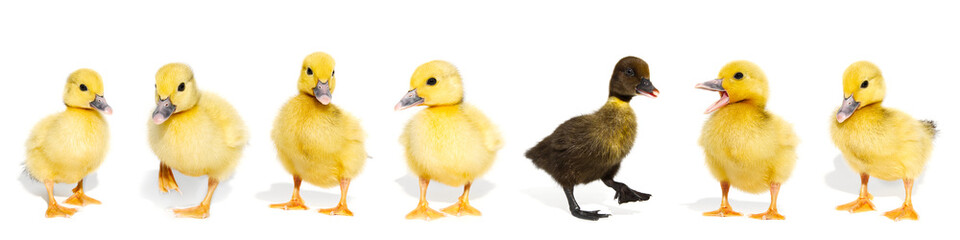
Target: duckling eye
<point>630,72</point>
<point>738,75</point>
<point>864,84</point>
<point>332,72</point>
<point>181,87</point>
<point>83,87</point>
<point>432,81</point>
<point>309,71</point>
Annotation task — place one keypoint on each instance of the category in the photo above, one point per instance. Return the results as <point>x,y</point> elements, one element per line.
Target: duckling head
<point>435,83</point>
<point>176,91</point>
<point>738,81</point>
<point>84,89</point>
<point>862,85</point>
<point>631,77</point>
<point>316,77</point>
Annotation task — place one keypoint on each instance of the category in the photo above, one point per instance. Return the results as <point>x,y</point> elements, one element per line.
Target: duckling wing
<point>235,134</point>
<point>570,136</point>
<point>491,135</point>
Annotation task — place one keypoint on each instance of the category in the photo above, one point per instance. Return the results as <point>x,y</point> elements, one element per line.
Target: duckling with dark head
<point>590,147</point>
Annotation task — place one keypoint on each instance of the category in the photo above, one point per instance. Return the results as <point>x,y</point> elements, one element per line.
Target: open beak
<point>409,100</point>
<point>717,86</point>
<point>164,109</point>
<point>322,92</point>
<point>100,104</point>
<point>646,88</point>
<point>846,110</point>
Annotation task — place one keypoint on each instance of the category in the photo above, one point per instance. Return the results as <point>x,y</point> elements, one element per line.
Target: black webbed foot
<point>625,195</point>
<point>588,215</point>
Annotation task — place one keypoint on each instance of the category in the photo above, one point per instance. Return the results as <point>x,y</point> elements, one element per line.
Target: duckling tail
<point>931,127</point>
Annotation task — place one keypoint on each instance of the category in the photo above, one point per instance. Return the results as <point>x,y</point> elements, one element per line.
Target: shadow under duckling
<point>317,141</point>
<point>877,141</point>
<point>450,141</point>
<point>746,146</point>
<point>67,146</point>
<point>591,147</point>
<point>196,133</point>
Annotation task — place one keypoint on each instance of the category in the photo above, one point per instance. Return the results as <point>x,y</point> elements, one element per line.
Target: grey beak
<point>712,85</point>
<point>411,99</point>
<point>846,110</point>
<point>100,104</point>
<point>164,109</point>
<point>322,92</point>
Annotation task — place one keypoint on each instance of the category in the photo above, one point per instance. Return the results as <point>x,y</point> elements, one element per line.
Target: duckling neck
<point>82,110</point>
<point>622,98</point>
<point>618,112</point>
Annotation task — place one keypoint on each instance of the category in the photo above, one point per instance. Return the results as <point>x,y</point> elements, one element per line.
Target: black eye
<point>83,87</point>
<point>864,84</point>
<point>432,81</point>
<point>309,71</point>
<point>738,75</point>
<point>630,72</point>
<point>181,87</point>
<point>332,72</point>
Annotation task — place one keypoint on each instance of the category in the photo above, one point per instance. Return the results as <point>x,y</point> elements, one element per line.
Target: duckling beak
<point>164,109</point>
<point>409,100</point>
<point>100,103</point>
<point>322,92</point>
<point>717,86</point>
<point>646,88</point>
<point>847,108</point>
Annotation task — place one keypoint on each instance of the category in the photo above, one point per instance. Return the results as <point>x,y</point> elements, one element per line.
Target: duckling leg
<point>167,182</point>
<point>462,207</point>
<point>54,209</point>
<point>725,209</point>
<point>624,193</point>
<point>862,204</point>
<point>575,208</point>
<point>295,203</point>
<point>423,211</point>
<point>906,211</point>
<point>80,199</point>
<point>341,208</point>
<point>771,213</point>
<point>203,210</point>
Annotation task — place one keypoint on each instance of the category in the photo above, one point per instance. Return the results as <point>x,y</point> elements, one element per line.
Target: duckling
<point>196,133</point>
<point>877,141</point>
<point>316,140</point>
<point>450,141</point>
<point>590,147</point>
<point>745,145</point>
<point>67,146</point>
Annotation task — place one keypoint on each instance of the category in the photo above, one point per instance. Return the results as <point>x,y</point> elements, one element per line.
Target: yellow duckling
<point>194,132</point>
<point>67,146</point>
<point>876,141</point>
<point>745,145</point>
<point>450,141</point>
<point>316,140</point>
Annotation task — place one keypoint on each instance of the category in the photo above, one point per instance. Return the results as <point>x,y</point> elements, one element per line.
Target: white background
<point>529,66</point>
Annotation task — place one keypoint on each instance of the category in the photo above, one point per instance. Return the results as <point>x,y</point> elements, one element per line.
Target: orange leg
<point>725,209</point>
<point>423,211</point>
<point>54,209</point>
<point>167,182</point>
<point>295,203</point>
<point>862,204</point>
<point>202,210</point>
<point>462,207</point>
<point>341,208</point>
<point>906,211</point>
<point>771,213</point>
<point>80,199</point>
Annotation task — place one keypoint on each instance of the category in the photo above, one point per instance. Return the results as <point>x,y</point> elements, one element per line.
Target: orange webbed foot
<point>903,213</point>
<point>724,211</point>
<point>55,210</point>
<point>293,204</point>
<point>81,199</point>
<point>339,210</point>
<point>768,215</point>
<point>199,212</point>
<point>862,204</point>
<point>461,208</point>
<point>424,212</point>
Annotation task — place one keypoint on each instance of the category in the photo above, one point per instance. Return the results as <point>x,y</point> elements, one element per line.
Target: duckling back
<point>320,143</point>
<point>884,143</point>
<point>451,144</point>
<point>67,146</point>
<point>748,147</point>
<point>205,140</point>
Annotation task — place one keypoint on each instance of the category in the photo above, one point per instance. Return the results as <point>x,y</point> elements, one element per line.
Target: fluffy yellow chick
<point>877,141</point>
<point>450,141</point>
<point>196,133</point>
<point>67,146</point>
<point>745,145</point>
<point>316,140</point>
